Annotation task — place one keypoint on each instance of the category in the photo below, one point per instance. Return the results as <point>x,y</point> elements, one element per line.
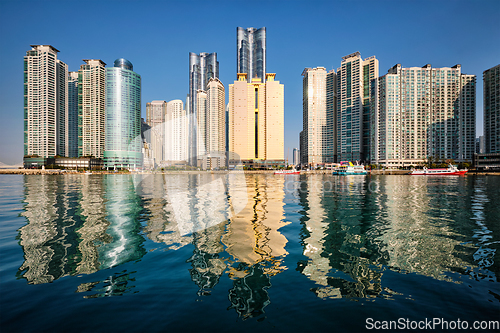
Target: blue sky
<point>156,36</point>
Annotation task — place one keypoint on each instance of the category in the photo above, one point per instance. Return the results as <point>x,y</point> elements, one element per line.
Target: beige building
<point>256,120</point>
<point>45,102</point>
<point>91,106</point>
<point>155,117</point>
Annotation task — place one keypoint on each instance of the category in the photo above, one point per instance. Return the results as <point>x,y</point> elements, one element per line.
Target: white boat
<point>287,172</point>
<point>451,170</point>
<point>347,168</point>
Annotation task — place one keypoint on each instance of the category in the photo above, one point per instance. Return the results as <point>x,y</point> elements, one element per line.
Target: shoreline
<point>181,172</point>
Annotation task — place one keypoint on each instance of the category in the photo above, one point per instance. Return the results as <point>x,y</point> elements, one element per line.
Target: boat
<point>450,170</point>
<point>347,168</point>
<point>287,172</point>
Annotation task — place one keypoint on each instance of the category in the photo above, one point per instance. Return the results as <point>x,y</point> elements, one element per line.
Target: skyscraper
<point>202,68</point>
<point>331,115</point>
<point>201,122</point>
<point>215,133</point>
<point>45,102</point>
<point>91,108</point>
<point>296,156</point>
<point>123,116</point>
<point>251,53</point>
<point>155,118</point>
<point>353,106</point>
<point>72,134</point>
<point>491,105</point>
<point>423,112</point>
<point>256,120</point>
<point>317,122</point>
<point>176,127</point>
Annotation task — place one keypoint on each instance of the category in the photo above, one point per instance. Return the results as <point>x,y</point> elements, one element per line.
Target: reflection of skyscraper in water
<point>151,189</point>
<point>335,242</point>
<point>94,224</point>
<point>57,208</point>
<point>316,224</point>
<point>257,246</point>
<point>209,206</point>
<point>123,208</point>
<point>253,234</point>
<point>44,238</point>
<point>249,294</point>
<point>419,233</point>
<point>207,266</point>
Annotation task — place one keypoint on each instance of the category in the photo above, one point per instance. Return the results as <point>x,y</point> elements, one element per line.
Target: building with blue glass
<point>251,53</point>
<point>123,148</point>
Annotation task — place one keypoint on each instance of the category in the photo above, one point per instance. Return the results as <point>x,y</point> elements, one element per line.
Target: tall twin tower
<point>255,117</point>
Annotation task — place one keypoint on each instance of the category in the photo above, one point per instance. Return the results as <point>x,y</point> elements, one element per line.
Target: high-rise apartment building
<point>155,118</point>
<point>72,129</point>
<point>353,107</point>
<point>296,156</point>
<point>176,130</point>
<point>202,68</point>
<point>256,119</point>
<point>62,108</point>
<point>123,116</point>
<point>251,53</point>
<point>331,115</point>
<point>318,121</point>
<point>491,107</point>
<point>45,102</point>
<point>216,116</point>
<point>215,134</point>
<point>424,112</point>
<point>211,119</point>
<point>91,108</point>
<point>201,121</point>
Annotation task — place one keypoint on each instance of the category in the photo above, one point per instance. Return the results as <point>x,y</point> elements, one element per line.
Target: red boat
<point>451,170</point>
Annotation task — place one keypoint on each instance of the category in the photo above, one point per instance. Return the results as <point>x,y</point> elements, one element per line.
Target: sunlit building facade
<point>155,118</point>
<point>45,102</point>
<point>423,112</point>
<point>176,132</point>
<point>353,106</point>
<point>123,116</point>
<point>91,108</point>
<point>256,119</point>
<point>318,121</point>
<point>202,68</point>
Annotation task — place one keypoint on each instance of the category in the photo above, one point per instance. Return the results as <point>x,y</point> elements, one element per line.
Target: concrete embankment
<point>179,172</point>
<point>30,172</point>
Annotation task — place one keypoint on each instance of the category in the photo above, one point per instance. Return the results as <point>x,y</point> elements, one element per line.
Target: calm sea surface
<point>136,253</point>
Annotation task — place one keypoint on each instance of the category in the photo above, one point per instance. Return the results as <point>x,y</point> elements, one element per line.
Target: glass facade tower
<point>251,53</point>
<point>123,116</point>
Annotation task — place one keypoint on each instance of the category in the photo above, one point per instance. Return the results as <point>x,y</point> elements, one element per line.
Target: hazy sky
<point>156,36</point>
